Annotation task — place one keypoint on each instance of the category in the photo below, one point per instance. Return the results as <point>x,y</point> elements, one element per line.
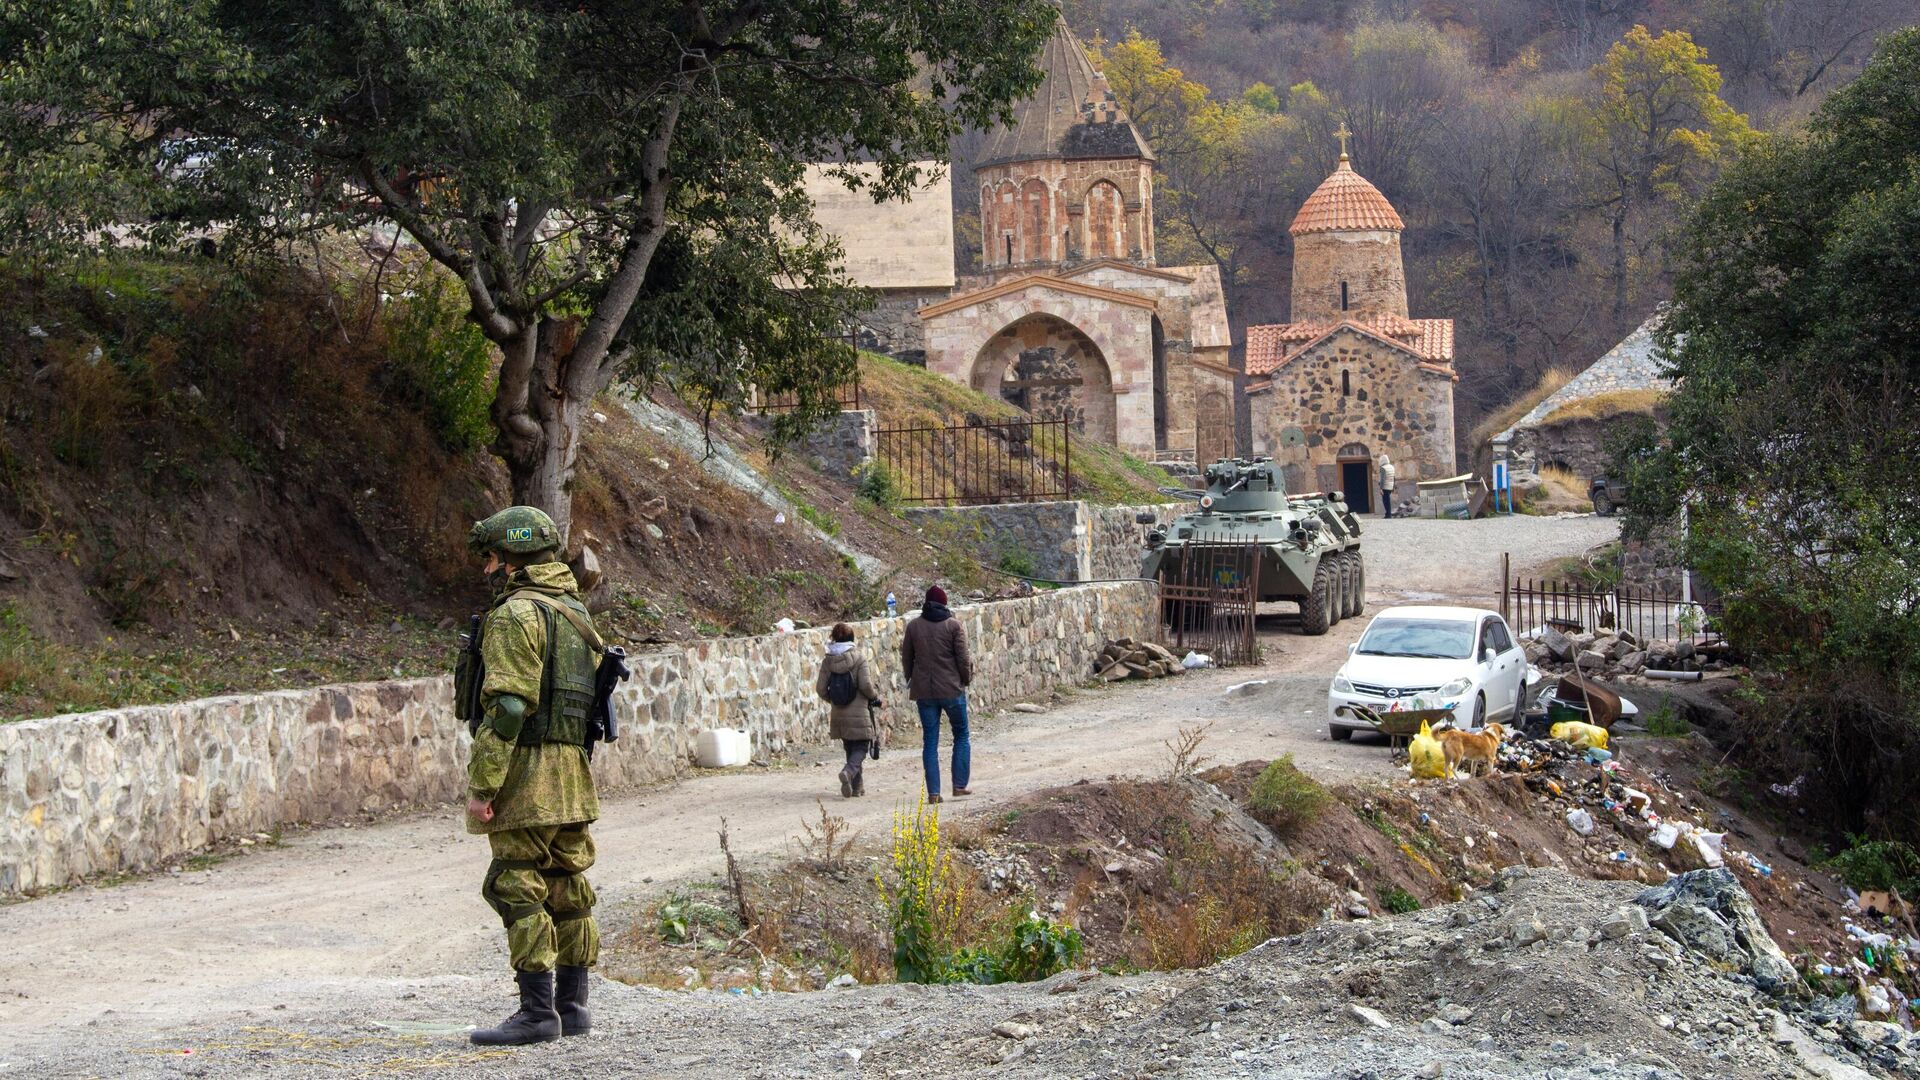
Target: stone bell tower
<point>1346,251</point>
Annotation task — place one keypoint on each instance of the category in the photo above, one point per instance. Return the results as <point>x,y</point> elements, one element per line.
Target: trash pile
<point>1125,658</point>
<point>1608,652</point>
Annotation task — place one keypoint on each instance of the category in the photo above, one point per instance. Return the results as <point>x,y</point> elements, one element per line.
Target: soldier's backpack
<point>841,689</point>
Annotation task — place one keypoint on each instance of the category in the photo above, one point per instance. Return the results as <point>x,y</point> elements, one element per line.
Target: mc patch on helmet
<point>517,530</point>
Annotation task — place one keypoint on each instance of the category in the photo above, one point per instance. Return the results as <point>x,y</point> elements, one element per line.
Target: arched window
<point>1009,249</point>
<point>1343,296</point>
<point>1346,384</point>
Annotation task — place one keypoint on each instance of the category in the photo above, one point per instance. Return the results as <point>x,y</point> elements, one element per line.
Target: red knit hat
<point>936,595</point>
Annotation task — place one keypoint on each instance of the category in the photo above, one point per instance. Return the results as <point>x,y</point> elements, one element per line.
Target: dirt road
<point>335,914</point>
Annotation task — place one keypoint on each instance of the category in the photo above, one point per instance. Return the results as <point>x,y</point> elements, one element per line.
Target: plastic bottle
<point>893,606</point>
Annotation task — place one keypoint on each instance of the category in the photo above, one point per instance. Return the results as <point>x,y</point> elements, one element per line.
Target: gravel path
<point>345,927</point>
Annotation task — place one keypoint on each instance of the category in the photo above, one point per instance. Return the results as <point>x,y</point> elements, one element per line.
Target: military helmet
<point>517,530</point>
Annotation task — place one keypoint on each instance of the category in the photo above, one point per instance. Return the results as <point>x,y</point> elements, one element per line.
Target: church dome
<point>1346,202</point>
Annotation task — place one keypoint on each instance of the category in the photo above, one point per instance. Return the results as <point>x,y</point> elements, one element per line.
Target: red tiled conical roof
<point>1346,202</point>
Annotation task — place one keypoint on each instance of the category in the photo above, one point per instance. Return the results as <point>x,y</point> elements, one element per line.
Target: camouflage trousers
<point>537,884</point>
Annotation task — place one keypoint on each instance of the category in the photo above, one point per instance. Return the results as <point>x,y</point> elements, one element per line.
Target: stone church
<point>1071,317</point>
<point>1351,377</point>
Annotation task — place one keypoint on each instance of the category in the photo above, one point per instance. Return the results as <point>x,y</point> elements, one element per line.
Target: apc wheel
<point>1315,606</point>
<point>1357,596</point>
<point>1336,588</point>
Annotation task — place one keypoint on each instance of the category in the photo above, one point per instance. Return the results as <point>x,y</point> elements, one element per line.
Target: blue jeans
<point>956,710</point>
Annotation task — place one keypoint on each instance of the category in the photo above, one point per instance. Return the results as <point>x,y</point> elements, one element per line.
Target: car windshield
<point>1439,639</point>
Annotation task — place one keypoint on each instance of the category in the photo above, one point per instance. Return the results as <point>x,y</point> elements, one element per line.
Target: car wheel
<point>1339,734</point>
<point>1519,716</point>
<point>1479,712</point>
<point>1602,505</point>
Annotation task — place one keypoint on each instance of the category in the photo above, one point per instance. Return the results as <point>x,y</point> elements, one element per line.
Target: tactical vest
<point>566,677</point>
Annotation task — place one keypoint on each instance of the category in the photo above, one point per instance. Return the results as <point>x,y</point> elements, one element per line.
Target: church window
<point>1346,380</point>
<point>1343,296</point>
<point>1009,249</point>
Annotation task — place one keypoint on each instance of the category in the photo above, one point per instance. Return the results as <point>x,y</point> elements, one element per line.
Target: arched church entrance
<point>1048,367</point>
<point>1356,477</point>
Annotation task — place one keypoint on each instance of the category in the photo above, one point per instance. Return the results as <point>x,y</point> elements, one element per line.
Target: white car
<point>1444,656</point>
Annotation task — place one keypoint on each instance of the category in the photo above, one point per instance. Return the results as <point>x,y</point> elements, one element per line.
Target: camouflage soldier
<point>529,789</point>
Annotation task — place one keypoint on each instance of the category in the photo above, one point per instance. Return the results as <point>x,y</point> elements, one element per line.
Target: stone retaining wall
<point>131,789</point>
<point>1063,541</point>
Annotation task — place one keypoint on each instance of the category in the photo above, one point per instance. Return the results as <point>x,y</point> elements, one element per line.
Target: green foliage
<point>1285,798</point>
<point>873,481</point>
<point>1667,722</point>
<point>1034,948</point>
<point>1019,563</point>
<point>442,363</point>
<point>1882,865</point>
<point>684,919</point>
<point>1795,436</point>
<point>1398,900</point>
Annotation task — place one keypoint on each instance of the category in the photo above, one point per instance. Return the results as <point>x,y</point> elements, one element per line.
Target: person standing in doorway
<point>843,683</point>
<point>933,656</point>
<point>1386,486</point>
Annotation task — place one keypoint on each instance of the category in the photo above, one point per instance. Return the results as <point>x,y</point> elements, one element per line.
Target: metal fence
<point>1209,600</point>
<point>972,464</point>
<point>1529,603</point>
<point>847,395</point>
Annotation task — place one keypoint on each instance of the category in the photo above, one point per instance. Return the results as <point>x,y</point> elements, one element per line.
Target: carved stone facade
<point>1351,378</point>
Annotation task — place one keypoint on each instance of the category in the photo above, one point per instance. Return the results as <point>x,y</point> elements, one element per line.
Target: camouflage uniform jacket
<point>529,786</point>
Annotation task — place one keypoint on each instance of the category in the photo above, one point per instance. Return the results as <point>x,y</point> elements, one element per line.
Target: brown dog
<point>1461,746</point>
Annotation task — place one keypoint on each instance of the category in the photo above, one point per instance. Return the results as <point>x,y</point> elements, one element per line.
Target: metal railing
<point>972,464</point>
<point>1530,603</point>
<point>847,395</point>
<point>1209,599</point>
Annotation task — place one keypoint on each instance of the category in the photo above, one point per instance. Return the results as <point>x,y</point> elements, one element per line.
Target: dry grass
<point>1559,490</point>
<point>1608,405</point>
<point>1497,422</point>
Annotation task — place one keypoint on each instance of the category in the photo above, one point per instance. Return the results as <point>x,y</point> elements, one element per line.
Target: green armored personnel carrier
<point>1310,544</point>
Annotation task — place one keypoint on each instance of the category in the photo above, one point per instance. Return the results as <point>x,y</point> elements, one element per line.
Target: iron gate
<point>1209,600</point>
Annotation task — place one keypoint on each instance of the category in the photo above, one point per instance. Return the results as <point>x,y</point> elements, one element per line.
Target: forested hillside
<point>1539,150</point>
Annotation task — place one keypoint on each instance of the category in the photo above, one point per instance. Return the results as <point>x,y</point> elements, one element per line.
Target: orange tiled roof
<point>1345,201</point>
<point>1271,346</point>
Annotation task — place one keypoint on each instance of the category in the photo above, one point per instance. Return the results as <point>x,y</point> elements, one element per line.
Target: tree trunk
<point>1619,263</point>
<point>538,420</point>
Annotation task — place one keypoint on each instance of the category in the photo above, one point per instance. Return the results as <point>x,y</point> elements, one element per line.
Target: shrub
<point>1284,798</point>
<point>1019,563</point>
<point>1667,722</point>
<point>683,919</point>
<point>442,364</point>
<point>1398,900</point>
<point>1883,865</point>
<point>874,482</point>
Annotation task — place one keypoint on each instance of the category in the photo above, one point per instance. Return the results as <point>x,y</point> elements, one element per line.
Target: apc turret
<point>1310,543</point>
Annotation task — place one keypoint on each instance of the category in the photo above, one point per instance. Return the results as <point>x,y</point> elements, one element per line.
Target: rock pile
<point>1125,658</point>
<point>1608,652</point>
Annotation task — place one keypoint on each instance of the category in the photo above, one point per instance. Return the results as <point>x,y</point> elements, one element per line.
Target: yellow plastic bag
<point>1582,736</point>
<point>1426,755</point>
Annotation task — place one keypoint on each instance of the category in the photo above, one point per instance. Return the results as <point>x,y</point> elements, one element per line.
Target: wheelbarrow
<point>1400,726</point>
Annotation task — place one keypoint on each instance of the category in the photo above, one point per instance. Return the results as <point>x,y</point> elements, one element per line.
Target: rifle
<point>873,720</point>
<point>602,723</point>
<point>469,677</point>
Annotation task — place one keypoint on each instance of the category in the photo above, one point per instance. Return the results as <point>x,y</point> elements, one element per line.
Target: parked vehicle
<point>1459,658</point>
<point>1310,544</point>
<point>1607,495</point>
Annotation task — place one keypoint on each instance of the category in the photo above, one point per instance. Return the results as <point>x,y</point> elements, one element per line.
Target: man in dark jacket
<point>933,655</point>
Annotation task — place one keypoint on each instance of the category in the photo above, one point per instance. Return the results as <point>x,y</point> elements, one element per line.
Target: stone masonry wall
<point>843,443</point>
<point>130,789</point>
<point>1118,541</point>
<point>1068,541</point>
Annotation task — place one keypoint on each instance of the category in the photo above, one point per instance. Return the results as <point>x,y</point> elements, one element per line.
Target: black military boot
<point>535,1022</point>
<point>570,999</point>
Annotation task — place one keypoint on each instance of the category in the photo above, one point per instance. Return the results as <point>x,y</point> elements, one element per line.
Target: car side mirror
<point>1487,654</point>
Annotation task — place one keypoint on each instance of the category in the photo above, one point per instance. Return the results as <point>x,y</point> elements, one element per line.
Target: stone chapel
<point>1071,317</point>
<point>1351,377</point>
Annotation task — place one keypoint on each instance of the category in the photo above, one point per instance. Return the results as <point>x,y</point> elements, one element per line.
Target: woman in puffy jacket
<point>844,684</point>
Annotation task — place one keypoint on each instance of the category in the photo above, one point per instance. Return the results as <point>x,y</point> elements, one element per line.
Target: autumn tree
<point>616,187</point>
<point>1657,130</point>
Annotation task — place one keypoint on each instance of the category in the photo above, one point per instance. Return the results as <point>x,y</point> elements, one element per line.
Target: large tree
<point>1796,433</point>
<point>615,185</point>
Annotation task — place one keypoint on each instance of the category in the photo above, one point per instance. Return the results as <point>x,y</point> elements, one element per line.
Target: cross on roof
<point>1343,135</point>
